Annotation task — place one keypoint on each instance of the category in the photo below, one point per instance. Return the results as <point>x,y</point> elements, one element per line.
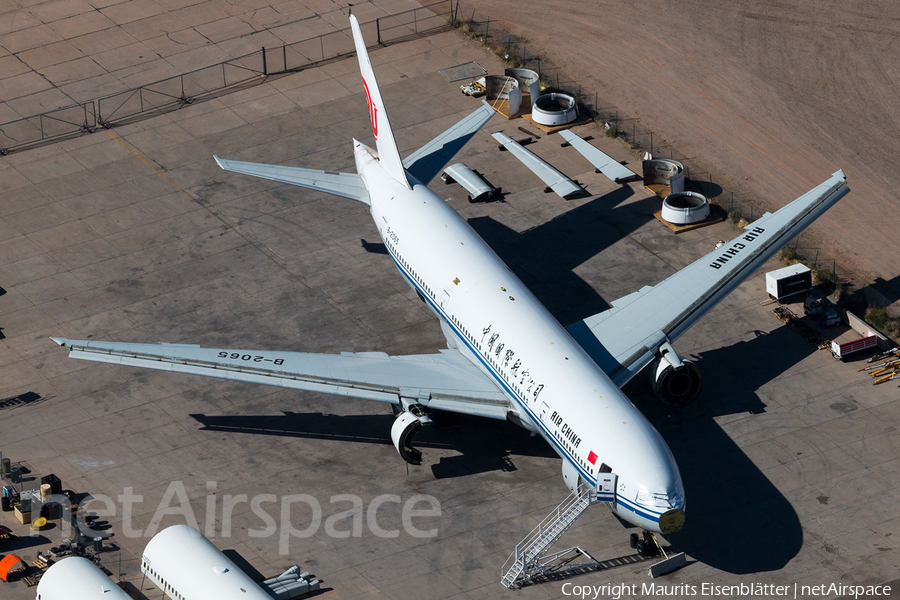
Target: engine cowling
<point>677,381</point>
<point>407,424</point>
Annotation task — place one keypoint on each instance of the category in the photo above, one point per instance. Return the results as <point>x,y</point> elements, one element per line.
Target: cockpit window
<point>660,501</point>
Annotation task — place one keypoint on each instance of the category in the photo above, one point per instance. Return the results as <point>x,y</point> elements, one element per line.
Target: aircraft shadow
<point>737,520</point>
<point>373,247</point>
<point>484,445</point>
<point>545,257</point>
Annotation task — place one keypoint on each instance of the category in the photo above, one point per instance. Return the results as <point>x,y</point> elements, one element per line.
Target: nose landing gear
<point>648,546</point>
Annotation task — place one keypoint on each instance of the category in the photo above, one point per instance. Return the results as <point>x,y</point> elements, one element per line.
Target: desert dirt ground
<point>771,97</point>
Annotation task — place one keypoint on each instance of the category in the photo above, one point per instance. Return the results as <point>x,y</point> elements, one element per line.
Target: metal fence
<point>515,52</point>
<point>78,118</point>
<point>339,44</point>
<point>251,69</point>
<point>177,91</point>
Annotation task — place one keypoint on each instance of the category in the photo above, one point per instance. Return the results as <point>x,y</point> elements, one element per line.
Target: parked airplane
<point>507,357</point>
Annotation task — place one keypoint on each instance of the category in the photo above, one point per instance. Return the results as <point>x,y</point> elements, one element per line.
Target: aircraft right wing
<point>445,381</point>
<point>427,161</point>
<point>623,339</point>
<point>348,185</point>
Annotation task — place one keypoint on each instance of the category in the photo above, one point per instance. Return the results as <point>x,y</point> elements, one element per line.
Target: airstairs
<point>531,559</point>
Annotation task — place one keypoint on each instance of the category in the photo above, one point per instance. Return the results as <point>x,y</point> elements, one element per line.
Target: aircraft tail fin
<point>388,154</point>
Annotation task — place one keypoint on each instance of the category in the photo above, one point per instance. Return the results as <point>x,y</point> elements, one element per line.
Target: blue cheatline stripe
<point>638,509</point>
<point>644,512</point>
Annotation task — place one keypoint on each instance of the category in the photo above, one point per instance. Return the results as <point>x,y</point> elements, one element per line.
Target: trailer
<point>795,279</point>
<point>839,351</point>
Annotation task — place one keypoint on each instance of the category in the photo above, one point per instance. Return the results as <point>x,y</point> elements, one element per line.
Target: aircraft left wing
<point>445,381</point>
<point>623,339</point>
<point>427,161</point>
<point>348,185</point>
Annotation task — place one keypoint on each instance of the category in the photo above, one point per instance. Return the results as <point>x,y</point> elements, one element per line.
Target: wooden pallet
<point>812,336</point>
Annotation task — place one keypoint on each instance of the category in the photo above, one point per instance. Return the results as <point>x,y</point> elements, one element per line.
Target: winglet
<point>388,154</point>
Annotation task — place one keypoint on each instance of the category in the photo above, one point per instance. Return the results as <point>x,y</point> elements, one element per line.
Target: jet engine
<point>677,382</point>
<point>407,424</point>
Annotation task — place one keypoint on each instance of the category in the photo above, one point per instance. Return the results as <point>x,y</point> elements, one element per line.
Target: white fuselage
<point>187,566</point>
<point>77,578</point>
<point>555,388</point>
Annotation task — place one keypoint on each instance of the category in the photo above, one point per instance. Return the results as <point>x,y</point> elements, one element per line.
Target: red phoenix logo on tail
<point>373,110</point>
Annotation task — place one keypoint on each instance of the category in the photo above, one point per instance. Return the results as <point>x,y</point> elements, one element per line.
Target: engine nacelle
<point>407,424</point>
<point>677,382</point>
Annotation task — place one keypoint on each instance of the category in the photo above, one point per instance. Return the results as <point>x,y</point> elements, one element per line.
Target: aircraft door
<point>445,297</point>
<point>544,409</point>
<point>606,487</point>
<point>570,474</point>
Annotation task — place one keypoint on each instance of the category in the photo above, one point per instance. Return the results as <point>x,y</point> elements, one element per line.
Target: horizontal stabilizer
<point>626,337</point>
<point>348,185</point>
<point>556,181</point>
<point>445,381</point>
<point>426,162</point>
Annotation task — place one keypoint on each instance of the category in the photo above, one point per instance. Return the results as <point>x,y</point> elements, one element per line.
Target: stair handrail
<point>576,496</point>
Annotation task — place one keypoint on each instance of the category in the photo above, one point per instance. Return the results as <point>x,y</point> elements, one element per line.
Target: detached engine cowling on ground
<point>677,382</point>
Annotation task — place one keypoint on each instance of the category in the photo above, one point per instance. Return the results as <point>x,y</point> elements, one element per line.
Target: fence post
<point>265,67</point>
<point>284,55</point>
<point>416,20</point>
<point>378,28</point>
